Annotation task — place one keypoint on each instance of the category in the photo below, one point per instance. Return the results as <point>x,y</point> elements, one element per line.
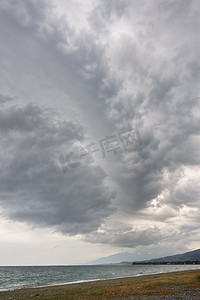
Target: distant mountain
<point>128,258</point>
<point>188,256</point>
<point>125,257</point>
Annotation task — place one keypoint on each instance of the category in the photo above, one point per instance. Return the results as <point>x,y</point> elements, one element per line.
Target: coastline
<point>154,286</point>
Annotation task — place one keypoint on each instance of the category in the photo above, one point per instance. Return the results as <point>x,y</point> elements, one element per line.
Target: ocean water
<point>12,278</point>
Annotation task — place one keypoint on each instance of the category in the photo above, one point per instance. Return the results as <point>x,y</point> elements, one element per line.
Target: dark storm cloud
<point>6,98</point>
<point>54,55</point>
<point>33,187</point>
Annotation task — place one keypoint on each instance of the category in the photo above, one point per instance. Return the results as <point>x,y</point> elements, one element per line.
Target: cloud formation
<point>33,186</point>
<point>125,64</point>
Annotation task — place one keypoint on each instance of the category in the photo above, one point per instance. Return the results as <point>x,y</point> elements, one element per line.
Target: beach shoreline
<point>154,286</point>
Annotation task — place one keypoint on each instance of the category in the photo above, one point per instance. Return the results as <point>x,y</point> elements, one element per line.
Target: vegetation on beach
<point>152,285</point>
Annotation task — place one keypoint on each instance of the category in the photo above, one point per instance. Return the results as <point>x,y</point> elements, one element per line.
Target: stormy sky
<point>99,129</point>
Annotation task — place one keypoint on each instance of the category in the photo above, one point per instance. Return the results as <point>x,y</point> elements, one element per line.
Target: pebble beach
<point>176,285</point>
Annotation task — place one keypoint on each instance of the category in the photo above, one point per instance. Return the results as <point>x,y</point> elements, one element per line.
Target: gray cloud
<point>150,59</point>
<point>6,98</point>
<point>128,237</point>
<point>135,64</point>
<point>156,98</point>
<point>33,186</point>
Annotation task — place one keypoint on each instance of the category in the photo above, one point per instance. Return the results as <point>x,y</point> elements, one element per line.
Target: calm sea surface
<point>22,277</point>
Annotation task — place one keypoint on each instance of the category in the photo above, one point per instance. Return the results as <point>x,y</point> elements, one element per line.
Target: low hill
<point>191,256</point>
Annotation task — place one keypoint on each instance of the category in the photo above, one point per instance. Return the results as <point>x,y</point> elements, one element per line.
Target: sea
<point>18,277</point>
